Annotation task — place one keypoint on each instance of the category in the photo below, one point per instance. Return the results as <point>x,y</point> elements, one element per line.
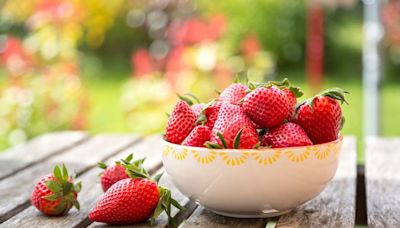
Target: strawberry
<point>233,129</point>
<point>286,135</point>
<point>199,135</point>
<point>115,173</point>
<point>267,107</point>
<point>197,108</point>
<point>233,93</point>
<point>180,123</point>
<point>321,116</point>
<point>134,199</point>
<point>209,114</point>
<point>55,194</point>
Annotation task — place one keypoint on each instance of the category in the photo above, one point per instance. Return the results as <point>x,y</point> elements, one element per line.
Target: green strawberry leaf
<point>211,145</point>
<point>158,177</point>
<point>335,93</point>
<point>221,137</point>
<point>187,97</point>
<point>53,186</point>
<point>76,204</point>
<point>102,165</point>
<point>57,173</point>
<point>67,187</point>
<point>342,121</point>
<point>139,162</point>
<point>296,91</point>
<point>257,146</point>
<point>78,186</point>
<point>62,206</point>
<point>167,114</point>
<point>192,96</point>
<point>251,85</point>
<point>64,172</point>
<point>53,197</point>
<point>129,158</point>
<point>236,141</point>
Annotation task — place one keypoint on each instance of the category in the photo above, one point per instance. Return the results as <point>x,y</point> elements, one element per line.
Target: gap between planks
<point>38,150</point>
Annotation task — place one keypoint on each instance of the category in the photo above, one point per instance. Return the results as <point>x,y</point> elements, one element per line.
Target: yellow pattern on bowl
<point>251,183</point>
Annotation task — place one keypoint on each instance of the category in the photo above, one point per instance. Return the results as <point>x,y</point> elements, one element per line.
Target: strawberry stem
<point>335,93</point>
<point>221,137</point>
<point>211,145</point>
<point>236,141</point>
<point>187,97</point>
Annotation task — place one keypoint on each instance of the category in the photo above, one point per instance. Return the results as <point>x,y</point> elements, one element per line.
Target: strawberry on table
<point>55,194</point>
<point>321,116</point>
<point>180,123</point>
<point>286,135</point>
<point>232,126</point>
<point>134,199</point>
<point>116,172</point>
<point>199,135</point>
<point>234,93</point>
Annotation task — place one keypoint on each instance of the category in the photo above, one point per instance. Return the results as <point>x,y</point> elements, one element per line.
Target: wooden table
<point>22,166</point>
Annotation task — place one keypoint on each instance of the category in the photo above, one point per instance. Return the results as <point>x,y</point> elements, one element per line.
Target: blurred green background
<point>115,66</point>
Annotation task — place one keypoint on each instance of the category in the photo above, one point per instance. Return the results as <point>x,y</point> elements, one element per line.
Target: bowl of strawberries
<point>254,151</point>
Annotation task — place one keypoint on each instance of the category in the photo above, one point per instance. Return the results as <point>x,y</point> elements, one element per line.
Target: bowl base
<point>264,214</point>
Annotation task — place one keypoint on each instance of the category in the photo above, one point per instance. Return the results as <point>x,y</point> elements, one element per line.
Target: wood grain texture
<point>335,206</point>
<point>38,149</point>
<point>382,177</point>
<point>90,193</point>
<point>202,217</point>
<point>15,191</point>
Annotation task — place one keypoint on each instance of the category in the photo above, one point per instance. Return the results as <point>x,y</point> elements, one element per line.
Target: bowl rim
<point>339,139</point>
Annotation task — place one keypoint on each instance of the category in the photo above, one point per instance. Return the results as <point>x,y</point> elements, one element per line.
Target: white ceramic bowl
<point>251,183</point>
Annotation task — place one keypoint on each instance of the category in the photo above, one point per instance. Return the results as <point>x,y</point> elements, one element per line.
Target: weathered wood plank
<point>91,190</point>
<point>38,149</point>
<point>335,206</point>
<point>382,178</point>
<point>202,217</point>
<point>15,190</point>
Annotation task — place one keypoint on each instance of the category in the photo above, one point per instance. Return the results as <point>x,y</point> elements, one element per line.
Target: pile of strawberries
<point>130,194</point>
<point>257,115</point>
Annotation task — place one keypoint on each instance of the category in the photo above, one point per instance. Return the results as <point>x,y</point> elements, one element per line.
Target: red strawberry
<point>199,135</point>
<point>55,194</point>
<point>128,201</point>
<point>267,107</point>
<point>133,199</point>
<point>212,113</point>
<point>293,103</point>
<point>115,173</point>
<point>180,123</point>
<point>286,135</point>
<point>197,108</point>
<point>233,93</point>
<point>321,116</point>
<point>232,126</point>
